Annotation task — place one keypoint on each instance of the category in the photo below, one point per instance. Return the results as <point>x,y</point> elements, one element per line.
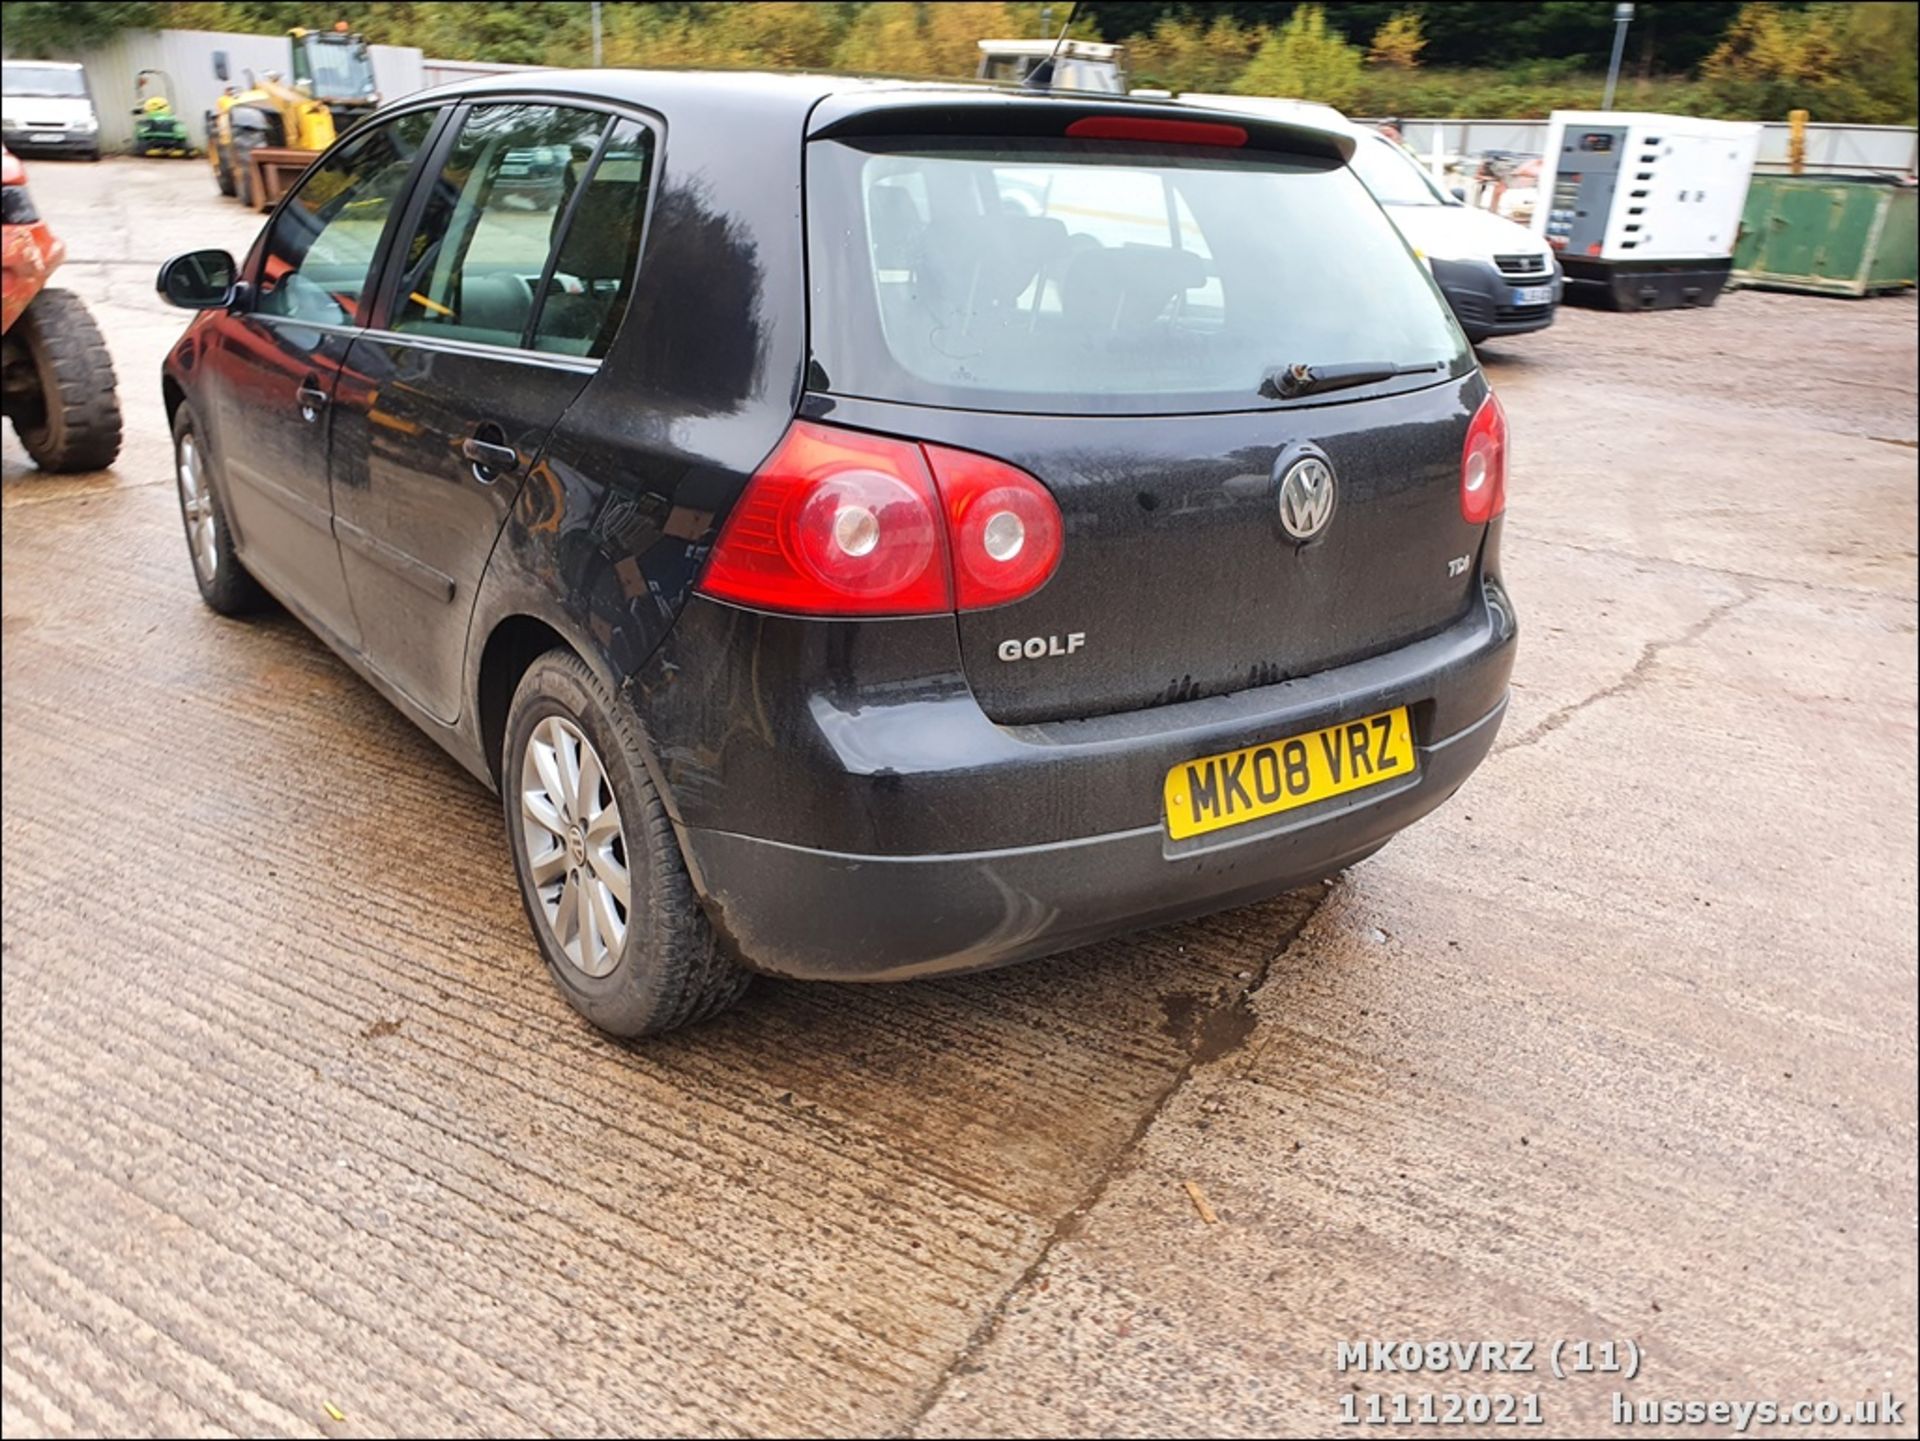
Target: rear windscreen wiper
<point>1285,382</point>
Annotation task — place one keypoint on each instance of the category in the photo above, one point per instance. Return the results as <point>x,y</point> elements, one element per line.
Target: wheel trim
<point>196,504</point>
<point>575,847</point>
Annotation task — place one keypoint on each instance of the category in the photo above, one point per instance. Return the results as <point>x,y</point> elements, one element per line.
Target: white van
<point>46,107</point>
<point>1499,277</point>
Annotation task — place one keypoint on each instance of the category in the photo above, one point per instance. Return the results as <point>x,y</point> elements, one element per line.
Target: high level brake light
<point>838,522</point>
<point>1163,132</point>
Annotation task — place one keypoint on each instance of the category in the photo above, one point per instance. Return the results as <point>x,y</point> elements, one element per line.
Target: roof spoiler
<point>1003,113</point>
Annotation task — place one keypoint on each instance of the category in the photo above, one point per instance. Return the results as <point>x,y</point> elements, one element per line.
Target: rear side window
<point>474,263</point>
<point>1086,276</point>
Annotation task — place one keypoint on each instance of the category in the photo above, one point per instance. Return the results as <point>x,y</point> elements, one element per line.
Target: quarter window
<point>593,275</point>
<point>474,264</point>
<point>319,254</point>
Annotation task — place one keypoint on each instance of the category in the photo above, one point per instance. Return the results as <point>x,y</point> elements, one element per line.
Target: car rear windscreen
<point>1073,277</point>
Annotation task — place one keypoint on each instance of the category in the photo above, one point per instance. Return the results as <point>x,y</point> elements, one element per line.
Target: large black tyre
<point>71,420</point>
<point>225,584</point>
<point>222,156</point>
<point>245,142</point>
<point>668,969</point>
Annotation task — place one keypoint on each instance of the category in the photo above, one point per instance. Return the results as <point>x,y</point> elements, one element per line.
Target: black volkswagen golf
<point>863,530</point>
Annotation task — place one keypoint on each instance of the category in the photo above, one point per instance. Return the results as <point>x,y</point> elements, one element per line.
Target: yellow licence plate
<point>1226,790</point>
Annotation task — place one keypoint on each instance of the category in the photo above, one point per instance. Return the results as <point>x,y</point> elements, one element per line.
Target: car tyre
<point>225,584</point>
<point>71,420</point>
<point>222,157</point>
<point>635,969</point>
<point>246,185</point>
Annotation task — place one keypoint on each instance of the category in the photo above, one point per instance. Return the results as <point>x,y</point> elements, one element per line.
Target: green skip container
<point>1826,235</point>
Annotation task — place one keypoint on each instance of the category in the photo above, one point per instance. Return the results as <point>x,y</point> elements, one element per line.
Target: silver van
<point>46,108</point>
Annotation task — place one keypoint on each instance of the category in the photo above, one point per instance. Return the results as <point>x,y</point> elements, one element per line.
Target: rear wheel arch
<point>514,643</point>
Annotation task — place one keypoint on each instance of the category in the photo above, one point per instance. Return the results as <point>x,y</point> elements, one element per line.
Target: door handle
<point>312,399</point>
<point>490,458</point>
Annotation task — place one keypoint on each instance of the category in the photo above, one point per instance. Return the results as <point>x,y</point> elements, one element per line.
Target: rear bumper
<point>1481,298</point>
<point>868,837</point>
<point>826,915</point>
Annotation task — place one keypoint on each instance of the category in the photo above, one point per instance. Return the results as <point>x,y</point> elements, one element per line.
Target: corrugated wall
<point>187,57</point>
<point>447,72</point>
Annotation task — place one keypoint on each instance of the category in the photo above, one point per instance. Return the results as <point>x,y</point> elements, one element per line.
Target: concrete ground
<point>1618,1046</point>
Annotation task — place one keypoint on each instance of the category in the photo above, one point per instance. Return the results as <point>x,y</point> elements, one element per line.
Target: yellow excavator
<point>260,136</point>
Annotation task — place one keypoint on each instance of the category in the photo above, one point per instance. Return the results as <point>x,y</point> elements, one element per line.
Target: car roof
<point>649,88</point>
<point>796,95</point>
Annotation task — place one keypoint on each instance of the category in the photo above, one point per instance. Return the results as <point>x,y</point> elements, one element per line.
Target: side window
<point>593,274</point>
<point>319,254</point>
<point>473,264</point>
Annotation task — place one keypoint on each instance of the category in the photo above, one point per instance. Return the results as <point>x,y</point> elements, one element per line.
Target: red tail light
<point>836,522</point>
<point>1003,528</point>
<point>1483,464</point>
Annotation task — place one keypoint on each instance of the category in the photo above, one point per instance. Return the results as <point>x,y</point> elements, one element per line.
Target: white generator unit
<point>1643,210</point>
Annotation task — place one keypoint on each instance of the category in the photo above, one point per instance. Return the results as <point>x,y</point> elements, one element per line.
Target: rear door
<point>1109,315</point>
<point>503,294</point>
<point>274,365</point>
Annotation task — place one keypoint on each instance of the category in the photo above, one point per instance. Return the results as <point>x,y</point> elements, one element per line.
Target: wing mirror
<point>220,71</point>
<point>200,280</point>
<point>1460,193</point>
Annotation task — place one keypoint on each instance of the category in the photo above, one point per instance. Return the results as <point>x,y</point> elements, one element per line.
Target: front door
<point>276,364</point>
<point>504,295</point>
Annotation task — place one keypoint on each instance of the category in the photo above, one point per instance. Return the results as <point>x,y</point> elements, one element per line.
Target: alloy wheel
<point>576,849</point>
<point>196,504</point>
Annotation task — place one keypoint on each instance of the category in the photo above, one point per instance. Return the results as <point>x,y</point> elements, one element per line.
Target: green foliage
<point>1185,54</point>
<point>781,36</point>
<point>881,40</point>
<point>939,41</point>
<point>1670,36</point>
<point>41,27</point>
<point>1833,60</point>
<point>1397,43</point>
<point>1884,40</point>
<point>1304,60</point>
